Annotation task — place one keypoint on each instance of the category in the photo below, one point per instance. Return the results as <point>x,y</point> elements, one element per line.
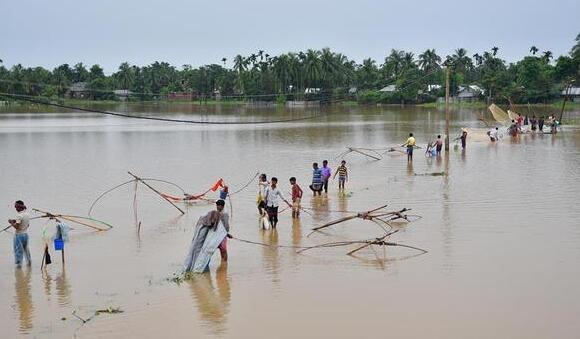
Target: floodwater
<point>501,228</point>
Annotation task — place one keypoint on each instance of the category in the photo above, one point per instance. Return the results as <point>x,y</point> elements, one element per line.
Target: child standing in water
<point>342,175</point>
<point>296,197</point>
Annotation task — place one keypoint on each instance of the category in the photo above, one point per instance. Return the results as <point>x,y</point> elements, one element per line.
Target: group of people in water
<point>536,125</point>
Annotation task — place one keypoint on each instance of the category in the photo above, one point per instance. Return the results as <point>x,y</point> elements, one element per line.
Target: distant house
<point>388,89</point>
<point>573,94</point>
<point>179,96</point>
<point>78,90</point>
<point>352,90</point>
<point>311,90</point>
<point>468,93</point>
<point>432,88</point>
<point>122,94</point>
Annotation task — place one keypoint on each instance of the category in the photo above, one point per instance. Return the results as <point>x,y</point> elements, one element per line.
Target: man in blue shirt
<point>316,186</point>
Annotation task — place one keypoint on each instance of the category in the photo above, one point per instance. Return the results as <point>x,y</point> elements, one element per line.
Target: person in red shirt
<point>296,197</point>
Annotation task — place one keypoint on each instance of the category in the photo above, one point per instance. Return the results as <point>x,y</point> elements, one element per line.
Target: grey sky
<point>108,32</point>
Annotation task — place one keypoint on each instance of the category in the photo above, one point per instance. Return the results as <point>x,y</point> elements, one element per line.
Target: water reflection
<point>62,286</point>
<point>212,302</point>
<point>24,298</point>
<point>296,232</point>
<point>270,255</point>
<point>63,289</point>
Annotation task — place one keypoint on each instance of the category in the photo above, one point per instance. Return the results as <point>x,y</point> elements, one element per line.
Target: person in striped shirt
<point>342,175</point>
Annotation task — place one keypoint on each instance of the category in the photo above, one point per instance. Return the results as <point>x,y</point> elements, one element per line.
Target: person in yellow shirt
<point>410,143</point>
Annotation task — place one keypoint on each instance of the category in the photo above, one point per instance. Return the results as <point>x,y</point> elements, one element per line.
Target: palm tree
<point>460,61</point>
<point>393,66</point>
<point>367,74</point>
<point>495,49</point>
<point>261,54</point>
<point>547,56</point>
<point>534,50</point>
<point>224,59</point>
<point>239,68</point>
<point>429,60</point>
<point>312,67</point>
<point>478,59</point>
<point>328,66</point>
<point>125,76</point>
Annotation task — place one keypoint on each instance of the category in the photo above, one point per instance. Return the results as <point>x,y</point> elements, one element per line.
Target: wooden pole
<point>568,88</point>
<point>446,108</point>
<point>156,191</point>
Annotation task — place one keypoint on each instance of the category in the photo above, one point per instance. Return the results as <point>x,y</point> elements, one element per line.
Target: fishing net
<point>512,115</point>
<point>499,115</point>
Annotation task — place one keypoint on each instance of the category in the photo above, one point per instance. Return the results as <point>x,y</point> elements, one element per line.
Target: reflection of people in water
<point>23,298</point>
<point>63,290</point>
<point>62,286</point>
<point>296,232</point>
<point>270,254</point>
<point>213,303</point>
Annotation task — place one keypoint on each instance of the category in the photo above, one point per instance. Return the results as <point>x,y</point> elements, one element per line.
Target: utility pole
<point>566,93</point>
<point>447,108</point>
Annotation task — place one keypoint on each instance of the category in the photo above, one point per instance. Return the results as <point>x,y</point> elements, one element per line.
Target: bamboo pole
<point>64,217</point>
<point>356,150</point>
<point>447,108</point>
<point>358,215</point>
<point>156,191</point>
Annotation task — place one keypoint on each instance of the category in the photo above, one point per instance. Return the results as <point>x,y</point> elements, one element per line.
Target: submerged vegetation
<point>313,74</point>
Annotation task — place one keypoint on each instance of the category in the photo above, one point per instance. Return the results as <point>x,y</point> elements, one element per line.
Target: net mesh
<point>499,115</point>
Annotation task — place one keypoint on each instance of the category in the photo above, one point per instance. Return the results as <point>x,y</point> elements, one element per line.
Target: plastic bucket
<point>58,244</point>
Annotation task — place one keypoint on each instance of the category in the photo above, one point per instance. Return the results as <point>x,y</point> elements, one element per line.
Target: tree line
<point>537,78</point>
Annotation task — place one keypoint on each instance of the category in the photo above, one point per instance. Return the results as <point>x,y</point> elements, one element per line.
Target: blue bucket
<point>58,244</point>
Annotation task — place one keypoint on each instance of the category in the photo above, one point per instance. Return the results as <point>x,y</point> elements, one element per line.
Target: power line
<point>123,115</point>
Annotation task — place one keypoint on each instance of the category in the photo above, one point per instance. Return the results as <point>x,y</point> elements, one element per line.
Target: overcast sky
<point>108,32</point>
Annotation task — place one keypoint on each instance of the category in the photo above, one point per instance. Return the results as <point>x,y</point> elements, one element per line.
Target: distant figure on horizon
<point>410,143</point>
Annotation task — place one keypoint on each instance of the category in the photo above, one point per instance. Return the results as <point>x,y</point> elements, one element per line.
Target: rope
<point>128,182</point>
<point>246,185</point>
<point>266,245</point>
<point>142,117</point>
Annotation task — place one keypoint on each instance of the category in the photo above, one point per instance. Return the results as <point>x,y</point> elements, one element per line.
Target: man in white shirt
<point>20,224</point>
<point>273,196</point>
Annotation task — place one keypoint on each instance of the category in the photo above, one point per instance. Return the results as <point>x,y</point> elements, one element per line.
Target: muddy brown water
<point>501,228</point>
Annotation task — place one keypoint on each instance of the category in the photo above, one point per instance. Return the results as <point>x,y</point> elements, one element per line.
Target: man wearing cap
<point>20,224</point>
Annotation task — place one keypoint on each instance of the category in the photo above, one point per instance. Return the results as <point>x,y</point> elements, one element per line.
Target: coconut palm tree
<point>547,56</point>
<point>495,49</point>
<point>460,61</point>
<point>224,59</point>
<point>534,50</point>
<point>429,60</point>
<point>393,66</point>
<point>312,67</point>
